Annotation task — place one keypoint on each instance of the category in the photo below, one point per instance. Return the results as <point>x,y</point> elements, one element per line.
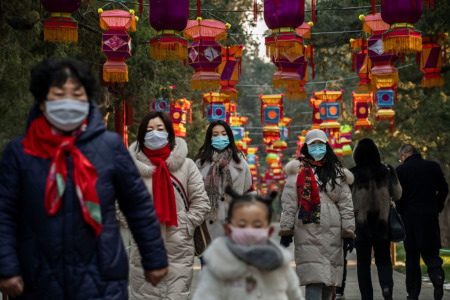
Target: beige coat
<point>318,247</point>
<point>178,240</point>
<point>224,277</point>
<point>242,181</point>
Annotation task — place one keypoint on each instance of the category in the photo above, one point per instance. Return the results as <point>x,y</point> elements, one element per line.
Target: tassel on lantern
<point>402,38</point>
<point>61,28</point>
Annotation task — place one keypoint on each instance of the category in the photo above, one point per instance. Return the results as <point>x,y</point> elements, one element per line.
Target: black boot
<point>438,284</point>
<point>387,293</point>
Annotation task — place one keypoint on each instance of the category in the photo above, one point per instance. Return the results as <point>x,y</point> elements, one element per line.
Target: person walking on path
<point>318,213</point>
<point>221,164</point>
<point>423,198</point>
<point>58,186</point>
<point>245,264</point>
<point>375,184</point>
<point>181,204</point>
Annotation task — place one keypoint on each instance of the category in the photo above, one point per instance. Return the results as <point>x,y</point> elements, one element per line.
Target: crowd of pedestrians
<point>68,185</point>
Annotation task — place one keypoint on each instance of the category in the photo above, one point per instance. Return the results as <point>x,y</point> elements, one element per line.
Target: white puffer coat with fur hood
<point>318,247</point>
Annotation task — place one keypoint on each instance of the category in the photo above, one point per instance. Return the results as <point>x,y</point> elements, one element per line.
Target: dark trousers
<point>340,290</point>
<point>382,260</point>
<point>433,262</point>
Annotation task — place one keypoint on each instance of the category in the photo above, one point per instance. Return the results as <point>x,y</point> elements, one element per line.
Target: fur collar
<point>174,162</point>
<point>293,167</point>
<point>225,265</point>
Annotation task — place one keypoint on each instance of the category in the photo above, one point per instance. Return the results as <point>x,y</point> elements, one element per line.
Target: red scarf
<point>42,141</point>
<point>308,192</point>
<point>163,194</point>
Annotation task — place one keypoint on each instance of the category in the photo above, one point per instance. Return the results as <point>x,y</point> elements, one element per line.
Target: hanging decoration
<point>205,54</point>
<point>300,142</point>
<point>253,162</point>
<point>237,124</point>
<point>271,114</point>
<point>401,16</point>
<point>316,119</point>
<point>160,104</point>
<point>178,114</point>
<point>61,27</point>
<point>168,18</point>
<point>361,109</point>
<point>431,62</point>
<point>230,70</point>
<point>216,108</point>
<point>330,111</point>
<point>361,63</point>
<point>385,101</point>
<point>336,144</point>
<point>123,117</point>
<point>116,43</point>
<point>346,139</point>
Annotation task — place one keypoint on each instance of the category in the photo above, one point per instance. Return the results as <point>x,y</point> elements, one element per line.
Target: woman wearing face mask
<point>318,213</point>
<point>181,204</point>
<point>246,264</point>
<point>221,165</point>
<point>58,185</point>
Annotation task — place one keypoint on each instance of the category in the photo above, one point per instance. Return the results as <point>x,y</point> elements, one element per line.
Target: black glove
<point>348,245</point>
<point>286,240</point>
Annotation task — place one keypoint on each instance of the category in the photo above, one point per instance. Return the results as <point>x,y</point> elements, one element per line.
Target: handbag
<point>396,226</point>
<point>202,238</point>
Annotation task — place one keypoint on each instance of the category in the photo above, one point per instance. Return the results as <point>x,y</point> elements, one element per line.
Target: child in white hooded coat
<point>245,264</point>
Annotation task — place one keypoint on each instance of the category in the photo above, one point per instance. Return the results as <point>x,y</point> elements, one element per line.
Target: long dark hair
<point>144,124</point>
<point>331,170</point>
<point>368,165</point>
<point>205,152</point>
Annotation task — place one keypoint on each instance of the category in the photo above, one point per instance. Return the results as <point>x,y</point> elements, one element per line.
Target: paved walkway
<point>352,289</point>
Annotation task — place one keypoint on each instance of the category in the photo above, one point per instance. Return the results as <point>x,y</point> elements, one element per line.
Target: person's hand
<point>12,286</point>
<point>286,240</point>
<point>348,245</point>
<point>155,276</point>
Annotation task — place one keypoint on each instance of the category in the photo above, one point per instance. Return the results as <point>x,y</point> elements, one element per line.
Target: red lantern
<point>205,54</point>
<point>230,70</point>
<point>178,114</point>
<point>361,110</point>
<point>61,27</point>
<point>316,120</point>
<point>431,63</point>
<point>361,63</point>
<point>116,43</point>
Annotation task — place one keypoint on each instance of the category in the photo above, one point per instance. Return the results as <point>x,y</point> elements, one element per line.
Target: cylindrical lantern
<point>116,43</point>
<point>169,18</point>
<point>361,63</point>
<point>216,108</point>
<point>361,110</point>
<point>205,54</point>
<point>61,27</point>
<point>385,101</point>
<point>401,16</point>
<point>230,70</point>
<point>431,63</point>
<point>330,111</point>
<point>178,115</point>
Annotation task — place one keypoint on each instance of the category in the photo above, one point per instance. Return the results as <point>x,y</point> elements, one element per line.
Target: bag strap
<point>390,184</point>
<point>179,187</point>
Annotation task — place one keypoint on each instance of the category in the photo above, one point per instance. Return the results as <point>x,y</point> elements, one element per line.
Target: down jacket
<point>178,240</point>
<point>223,277</point>
<point>319,256</point>
<point>59,257</point>
<point>242,182</point>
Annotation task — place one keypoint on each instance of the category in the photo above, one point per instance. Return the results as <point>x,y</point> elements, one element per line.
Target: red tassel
<point>373,7</point>
<point>190,115</point>
<point>313,11</point>
<point>255,11</point>
<point>311,61</point>
<point>382,2</point>
<point>392,128</point>
<point>198,8</point>
<point>403,57</point>
<point>141,7</point>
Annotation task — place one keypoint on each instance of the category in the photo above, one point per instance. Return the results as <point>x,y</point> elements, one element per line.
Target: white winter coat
<point>224,276</point>
<point>318,247</point>
<point>242,181</point>
<point>178,240</point>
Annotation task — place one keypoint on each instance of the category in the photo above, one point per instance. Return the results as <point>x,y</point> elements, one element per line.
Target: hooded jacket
<point>225,276</point>
<point>318,247</point>
<point>59,257</point>
<point>178,240</point>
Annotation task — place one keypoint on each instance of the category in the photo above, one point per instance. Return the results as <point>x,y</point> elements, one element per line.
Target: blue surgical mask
<point>220,142</point>
<point>317,151</point>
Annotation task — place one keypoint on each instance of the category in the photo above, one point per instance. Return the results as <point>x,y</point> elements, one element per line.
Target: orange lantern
<point>361,109</point>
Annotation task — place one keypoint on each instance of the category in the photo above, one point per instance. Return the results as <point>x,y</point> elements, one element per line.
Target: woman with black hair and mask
<point>318,214</point>
<point>375,184</point>
<point>221,164</point>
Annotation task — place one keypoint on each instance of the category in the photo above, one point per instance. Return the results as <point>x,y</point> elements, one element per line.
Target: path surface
<point>352,290</point>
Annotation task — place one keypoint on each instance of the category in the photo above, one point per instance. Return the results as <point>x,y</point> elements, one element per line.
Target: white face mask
<point>155,140</point>
<point>66,114</point>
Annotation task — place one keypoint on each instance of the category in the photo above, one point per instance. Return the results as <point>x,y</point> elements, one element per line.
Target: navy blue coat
<point>59,257</point>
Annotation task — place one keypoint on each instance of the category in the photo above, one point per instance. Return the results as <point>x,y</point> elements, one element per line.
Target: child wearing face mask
<point>245,264</point>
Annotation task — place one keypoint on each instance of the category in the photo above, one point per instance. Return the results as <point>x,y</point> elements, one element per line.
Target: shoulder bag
<point>396,227</point>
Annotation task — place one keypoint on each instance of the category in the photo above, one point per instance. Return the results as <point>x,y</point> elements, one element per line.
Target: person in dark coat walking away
<point>58,184</point>
<point>424,194</point>
<point>374,186</point>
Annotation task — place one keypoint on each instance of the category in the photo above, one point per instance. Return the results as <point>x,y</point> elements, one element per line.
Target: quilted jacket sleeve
<point>135,203</point>
<point>289,200</point>
<point>342,196</point>
<point>9,210</point>
<point>198,199</point>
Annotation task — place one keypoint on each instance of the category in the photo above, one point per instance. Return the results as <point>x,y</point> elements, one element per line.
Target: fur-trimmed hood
<point>225,265</point>
<point>174,161</point>
<point>293,167</point>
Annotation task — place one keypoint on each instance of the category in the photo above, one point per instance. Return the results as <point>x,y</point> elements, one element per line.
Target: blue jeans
<point>318,291</point>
